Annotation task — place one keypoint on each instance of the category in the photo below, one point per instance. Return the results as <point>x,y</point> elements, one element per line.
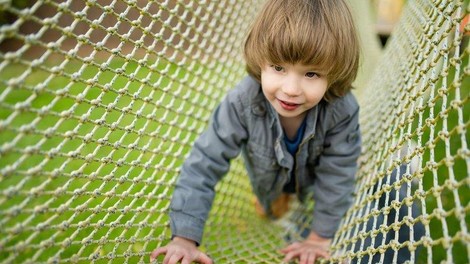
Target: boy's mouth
<point>288,105</point>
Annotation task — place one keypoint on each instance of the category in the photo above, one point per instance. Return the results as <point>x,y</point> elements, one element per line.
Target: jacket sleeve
<point>207,163</point>
<point>336,169</point>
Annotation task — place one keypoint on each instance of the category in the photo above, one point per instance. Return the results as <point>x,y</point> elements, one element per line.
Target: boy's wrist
<point>183,239</point>
<point>316,237</point>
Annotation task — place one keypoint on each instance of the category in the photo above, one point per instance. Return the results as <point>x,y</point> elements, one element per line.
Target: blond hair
<point>310,32</point>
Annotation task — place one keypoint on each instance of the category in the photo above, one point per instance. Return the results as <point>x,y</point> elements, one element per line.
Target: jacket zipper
<point>297,187</point>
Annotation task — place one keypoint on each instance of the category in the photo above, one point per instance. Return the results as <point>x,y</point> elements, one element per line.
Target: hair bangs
<point>300,39</point>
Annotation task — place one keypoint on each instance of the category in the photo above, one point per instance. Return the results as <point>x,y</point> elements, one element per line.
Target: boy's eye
<point>277,68</point>
<point>311,74</point>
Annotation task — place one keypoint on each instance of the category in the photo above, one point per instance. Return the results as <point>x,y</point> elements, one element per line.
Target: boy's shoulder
<point>340,109</point>
<point>246,92</point>
<point>344,105</point>
<point>247,87</point>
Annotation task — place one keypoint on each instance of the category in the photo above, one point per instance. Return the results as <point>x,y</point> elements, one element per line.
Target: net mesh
<point>100,101</point>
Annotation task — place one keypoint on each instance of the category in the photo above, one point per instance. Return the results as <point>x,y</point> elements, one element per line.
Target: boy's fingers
<point>311,259</point>
<point>304,258</point>
<point>186,261</point>
<point>323,254</point>
<point>291,255</point>
<point>157,252</point>
<point>203,259</point>
<point>290,247</point>
<point>305,255</point>
<point>174,259</point>
<point>319,253</point>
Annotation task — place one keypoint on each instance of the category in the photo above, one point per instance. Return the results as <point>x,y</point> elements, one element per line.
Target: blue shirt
<point>292,147</point>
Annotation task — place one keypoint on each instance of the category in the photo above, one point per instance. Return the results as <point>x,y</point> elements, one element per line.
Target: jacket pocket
<point>263,169</point>
<point>314,153</point>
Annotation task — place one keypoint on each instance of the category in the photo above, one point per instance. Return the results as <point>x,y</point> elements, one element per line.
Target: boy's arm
<point>335,172</point>
<point>206,165</point>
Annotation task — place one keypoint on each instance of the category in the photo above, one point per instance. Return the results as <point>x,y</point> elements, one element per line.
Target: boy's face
<point>293,89</point>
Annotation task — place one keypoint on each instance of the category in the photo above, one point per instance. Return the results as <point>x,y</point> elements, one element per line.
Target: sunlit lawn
<point>449,196</point>
<point>85,162</point>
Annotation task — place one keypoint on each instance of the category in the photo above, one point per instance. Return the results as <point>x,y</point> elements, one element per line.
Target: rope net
<point>100,101</point>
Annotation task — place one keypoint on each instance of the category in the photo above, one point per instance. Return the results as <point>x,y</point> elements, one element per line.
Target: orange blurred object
<point>279,207</point>
<point>388,14</point>
<point>464,24</point>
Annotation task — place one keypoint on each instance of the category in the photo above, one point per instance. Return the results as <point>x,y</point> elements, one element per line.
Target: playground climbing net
<point>100,101</point>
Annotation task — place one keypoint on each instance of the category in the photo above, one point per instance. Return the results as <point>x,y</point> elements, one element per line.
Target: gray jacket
<point>246,122</point>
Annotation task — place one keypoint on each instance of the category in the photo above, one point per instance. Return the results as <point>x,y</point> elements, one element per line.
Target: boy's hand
<point>181,249</point>
<point>309,250</point>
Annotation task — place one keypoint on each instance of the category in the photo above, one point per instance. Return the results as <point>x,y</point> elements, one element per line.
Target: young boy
<point>293,119</point>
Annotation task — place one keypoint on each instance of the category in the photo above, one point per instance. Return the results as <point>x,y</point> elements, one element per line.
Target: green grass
<point>66,192</point>
<point>448,196</point>
<point>69,188</point>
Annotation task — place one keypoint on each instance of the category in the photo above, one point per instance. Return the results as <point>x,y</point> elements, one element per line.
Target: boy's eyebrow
<point>313,68</point>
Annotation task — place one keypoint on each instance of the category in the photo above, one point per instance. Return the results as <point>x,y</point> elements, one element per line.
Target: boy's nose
<point>291,87</point>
